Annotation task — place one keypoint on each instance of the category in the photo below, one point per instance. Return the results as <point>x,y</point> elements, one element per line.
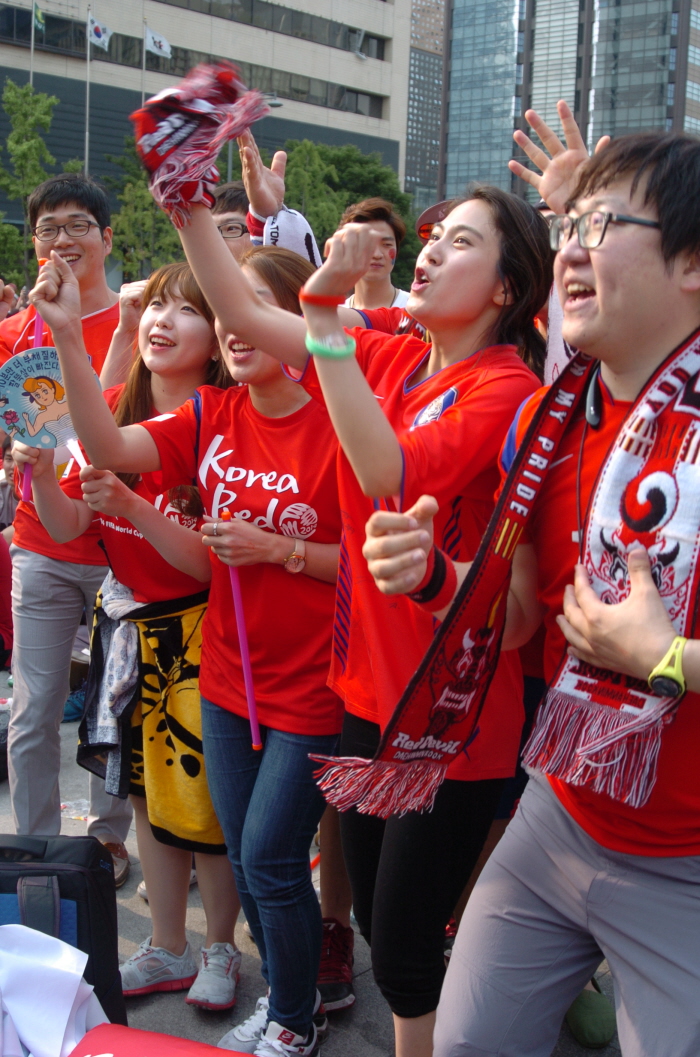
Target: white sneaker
<point>141,890</point>
<point>280,1042</point>
<point>155,969</point>
<point>215,986</point>
<point>246,1036</point>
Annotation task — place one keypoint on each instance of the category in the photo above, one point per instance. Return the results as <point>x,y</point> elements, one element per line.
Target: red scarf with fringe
<point>180,131</point>
<point>595,728</point>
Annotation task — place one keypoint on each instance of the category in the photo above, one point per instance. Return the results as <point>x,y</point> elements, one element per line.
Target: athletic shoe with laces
<point>335,971</point>
<point>155,969</point>
<point>215,986</point>
<point>245,1037</point>
<point>281,1042</point>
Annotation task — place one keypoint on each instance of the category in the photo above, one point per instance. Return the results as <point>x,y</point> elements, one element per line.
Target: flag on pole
<point>39,20</point>
<point>157,44</point>
<point>99,33</point>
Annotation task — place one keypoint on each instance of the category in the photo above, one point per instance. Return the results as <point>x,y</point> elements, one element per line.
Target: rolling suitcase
<point>64,886</point>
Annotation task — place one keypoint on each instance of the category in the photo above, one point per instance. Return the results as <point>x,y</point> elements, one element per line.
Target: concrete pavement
<point>363,1031</point>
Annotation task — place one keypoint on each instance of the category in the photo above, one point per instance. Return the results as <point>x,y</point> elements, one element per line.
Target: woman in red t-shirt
<point>265,451</point>
<point>156,754</point>
<point>407,413</point>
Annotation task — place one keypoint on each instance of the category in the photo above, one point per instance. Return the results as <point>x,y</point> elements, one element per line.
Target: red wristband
<point>324,300</point>
<point>447,591</point>
<point>255,227</point>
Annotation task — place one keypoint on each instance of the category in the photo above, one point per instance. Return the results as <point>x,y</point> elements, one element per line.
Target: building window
<point>67,37</point>
<point>280,19</point>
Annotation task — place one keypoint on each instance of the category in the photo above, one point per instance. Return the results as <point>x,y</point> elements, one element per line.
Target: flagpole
<point>31,46</point>
<point>143,64</point>
<point>87,93</point>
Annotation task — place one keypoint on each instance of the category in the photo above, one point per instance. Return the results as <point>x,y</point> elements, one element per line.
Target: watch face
<point>295,564</point>
<point>664,686</point>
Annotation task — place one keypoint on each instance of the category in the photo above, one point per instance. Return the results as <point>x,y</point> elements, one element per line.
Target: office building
<point>337,70</point>
<point>424,101</point>
<point>623,67</point>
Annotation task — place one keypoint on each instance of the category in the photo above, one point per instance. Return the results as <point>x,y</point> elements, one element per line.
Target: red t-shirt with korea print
<point>450,427</point>
<point>132,559</point>
<point>279,474</point>
<point>667,825</point>
<point>17,335</point>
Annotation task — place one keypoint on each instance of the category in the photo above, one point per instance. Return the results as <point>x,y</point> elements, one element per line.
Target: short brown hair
<point>375,209</point>
<point>284,271</point>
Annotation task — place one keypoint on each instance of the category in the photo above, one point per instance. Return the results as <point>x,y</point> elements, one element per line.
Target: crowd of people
<point>292,471</point>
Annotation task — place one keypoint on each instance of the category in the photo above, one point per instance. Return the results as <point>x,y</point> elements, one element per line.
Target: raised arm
<point>180,546</point>
<point>63,518</point>
<point>236,306</point>
<point>56,297</point>
<point>559,168</point>
<point>363,430</point>
<point>121,350</point>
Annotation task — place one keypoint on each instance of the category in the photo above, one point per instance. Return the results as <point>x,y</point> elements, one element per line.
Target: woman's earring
<point>215,357</point>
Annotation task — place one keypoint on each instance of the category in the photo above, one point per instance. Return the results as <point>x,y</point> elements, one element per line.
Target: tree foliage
<point>11,270</point>
<point>30,113</point>
<point>144,238</point>
<point>322,180</point>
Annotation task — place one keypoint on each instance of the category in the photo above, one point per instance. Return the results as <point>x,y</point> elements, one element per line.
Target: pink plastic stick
<point>245,652</point>
<point>245,656</point>
<point>37,343</point>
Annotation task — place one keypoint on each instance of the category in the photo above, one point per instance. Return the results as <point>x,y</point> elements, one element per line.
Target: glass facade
<point>423,128</point>
<point>630,58</point>
<point>554,52</point>
<point>67,37</point>
<point>482,98</point>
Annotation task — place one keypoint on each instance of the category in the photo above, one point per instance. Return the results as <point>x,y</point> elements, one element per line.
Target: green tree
<point>144,238</point>
<point>322,180</point>
<point>29,112</point>
<point>11,270</point>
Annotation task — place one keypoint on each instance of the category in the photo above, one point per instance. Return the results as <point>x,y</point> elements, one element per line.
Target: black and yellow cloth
<point>158,753</point>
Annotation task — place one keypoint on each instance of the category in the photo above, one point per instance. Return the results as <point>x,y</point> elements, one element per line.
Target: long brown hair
<point>525,268</point>
<point>135,403</point>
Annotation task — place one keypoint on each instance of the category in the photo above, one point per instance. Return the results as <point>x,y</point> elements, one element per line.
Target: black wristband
<point>436,582</point>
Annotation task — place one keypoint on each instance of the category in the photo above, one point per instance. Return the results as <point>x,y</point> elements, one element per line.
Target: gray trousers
<point>48,598</point>
<point>549,905</point>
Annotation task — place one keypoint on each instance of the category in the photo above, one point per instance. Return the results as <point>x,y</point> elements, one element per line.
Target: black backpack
<point>64,886</point>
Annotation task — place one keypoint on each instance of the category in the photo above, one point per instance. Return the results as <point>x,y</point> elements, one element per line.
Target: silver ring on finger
<point>216,528</point>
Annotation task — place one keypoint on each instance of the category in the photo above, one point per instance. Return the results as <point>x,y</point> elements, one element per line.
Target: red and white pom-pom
<point>180,131</point>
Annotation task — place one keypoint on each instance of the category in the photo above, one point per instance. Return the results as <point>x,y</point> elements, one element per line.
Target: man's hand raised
<point>264,187</point>
<point>56,295</point>
<point>560,168</point>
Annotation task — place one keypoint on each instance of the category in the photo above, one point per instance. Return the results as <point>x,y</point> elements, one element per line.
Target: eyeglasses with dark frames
<point>234,229</point>
<point>76,229</point>
<point>590,228</point>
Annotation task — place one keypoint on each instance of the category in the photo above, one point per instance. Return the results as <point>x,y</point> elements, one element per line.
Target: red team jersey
<point>279,474</point>
<point>450,427</point>
<point>667,825</point>
<point>17,335</point>
<point>132,559</point>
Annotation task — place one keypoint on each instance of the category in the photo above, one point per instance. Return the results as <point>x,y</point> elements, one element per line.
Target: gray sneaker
<point>155,969</point>
<point>245,1037</point>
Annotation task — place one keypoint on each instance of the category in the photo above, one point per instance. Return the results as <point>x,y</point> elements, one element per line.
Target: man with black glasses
<point>602,856</point>
<point>54,583</point>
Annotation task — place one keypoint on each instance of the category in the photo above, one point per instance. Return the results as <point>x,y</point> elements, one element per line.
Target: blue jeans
<point>269,808</point>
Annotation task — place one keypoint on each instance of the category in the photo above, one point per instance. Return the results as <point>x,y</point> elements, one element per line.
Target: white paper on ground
<point>49,1005</point>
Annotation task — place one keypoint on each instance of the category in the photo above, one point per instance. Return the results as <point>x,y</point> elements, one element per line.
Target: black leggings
<point>407,875</point>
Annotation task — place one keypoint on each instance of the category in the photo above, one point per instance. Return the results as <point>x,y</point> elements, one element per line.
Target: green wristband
<point>332,352</point>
